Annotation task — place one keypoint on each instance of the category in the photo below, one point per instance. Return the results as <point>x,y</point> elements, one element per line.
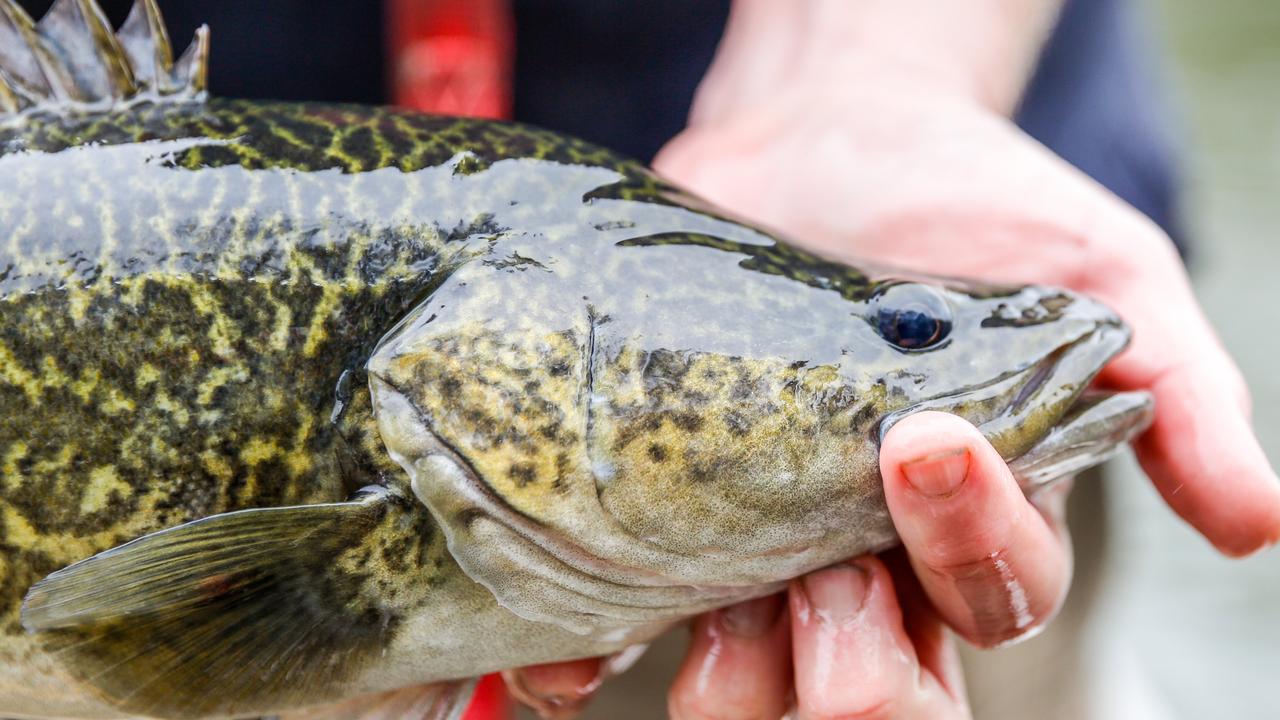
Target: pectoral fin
<point>235,614</point>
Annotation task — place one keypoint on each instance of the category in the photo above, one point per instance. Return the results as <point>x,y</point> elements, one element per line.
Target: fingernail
<point>836,594</point>
<point>751,618</point>
<point>940,474</point>
<point>562,705</point>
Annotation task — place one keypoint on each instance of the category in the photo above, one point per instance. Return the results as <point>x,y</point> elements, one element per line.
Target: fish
<point>309,406</point>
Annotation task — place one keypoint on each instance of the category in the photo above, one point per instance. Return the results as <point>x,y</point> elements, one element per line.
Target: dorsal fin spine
<point>145,41</point>
<point>56,77</point>
<point>72,62</point>
<point>24,58</point>
<point>10,100</point>
<point>192,69</point>
<point>110,54</point>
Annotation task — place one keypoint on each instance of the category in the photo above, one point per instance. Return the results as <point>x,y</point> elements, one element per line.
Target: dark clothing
<point>623,72</point>
<point>324,50</point>
<point>1097,100</point>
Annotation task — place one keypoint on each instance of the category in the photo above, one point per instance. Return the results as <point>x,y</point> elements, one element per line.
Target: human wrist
<point>984,50</point>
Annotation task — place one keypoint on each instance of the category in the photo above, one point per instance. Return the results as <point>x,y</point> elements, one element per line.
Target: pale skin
<point>879,130</point>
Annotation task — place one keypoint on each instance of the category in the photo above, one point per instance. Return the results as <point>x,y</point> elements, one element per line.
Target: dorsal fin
<point>21,68</point>
<point>90,66</point>
<point>71,61</point>
<point>145,42</point>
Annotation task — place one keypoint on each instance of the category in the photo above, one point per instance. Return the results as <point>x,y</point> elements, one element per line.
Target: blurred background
<point>1203,631</point>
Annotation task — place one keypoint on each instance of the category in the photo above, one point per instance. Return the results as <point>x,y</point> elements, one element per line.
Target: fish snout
<point>1097,312</point>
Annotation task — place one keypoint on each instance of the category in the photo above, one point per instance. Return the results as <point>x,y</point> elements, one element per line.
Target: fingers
<point>934,646</point>
<point>991,564</point>
<point>556,691</point>
<point>738,665</point>
<point>1202,455</point>
<point>1201,451</point>
<point>854,658</point>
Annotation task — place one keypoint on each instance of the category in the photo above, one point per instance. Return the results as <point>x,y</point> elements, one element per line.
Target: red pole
<point>452,57</point>
<point>490,701</point>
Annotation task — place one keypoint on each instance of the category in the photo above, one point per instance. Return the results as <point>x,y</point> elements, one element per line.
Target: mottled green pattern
<point>313,137</point>
<point>190,292</point>
<point>170,360</point>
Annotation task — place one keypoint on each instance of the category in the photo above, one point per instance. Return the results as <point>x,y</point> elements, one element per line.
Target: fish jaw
<point>1094,429</point>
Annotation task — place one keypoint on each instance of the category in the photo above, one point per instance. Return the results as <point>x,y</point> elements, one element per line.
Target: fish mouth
<point>1046,421</point>
<point>1095,428</point>
<point>1056,426</point>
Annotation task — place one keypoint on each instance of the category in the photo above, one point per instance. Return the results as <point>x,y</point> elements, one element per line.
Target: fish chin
<point>1094,429</point>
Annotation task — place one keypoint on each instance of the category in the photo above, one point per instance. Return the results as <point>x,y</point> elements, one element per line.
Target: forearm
<point>984,49</point>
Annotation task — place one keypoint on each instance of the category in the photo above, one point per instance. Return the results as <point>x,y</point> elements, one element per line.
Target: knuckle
<point>965,550</point>
<point>1140,251</point>
<point>1002,610</point>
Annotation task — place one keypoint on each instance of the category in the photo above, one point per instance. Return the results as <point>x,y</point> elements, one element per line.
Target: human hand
<point>986,562</point>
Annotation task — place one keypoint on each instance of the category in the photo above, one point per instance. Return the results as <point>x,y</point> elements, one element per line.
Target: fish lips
<point>1093,430</point>
<point>1056,426</point>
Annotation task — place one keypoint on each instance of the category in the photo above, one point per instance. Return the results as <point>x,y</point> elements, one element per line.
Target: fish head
<point>703,448</point>
<point>1017,362</point>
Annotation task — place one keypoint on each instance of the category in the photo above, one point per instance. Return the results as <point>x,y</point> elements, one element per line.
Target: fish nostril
<point>1057,304</point>
<point>1039,305</point>
<point>1101,317</point>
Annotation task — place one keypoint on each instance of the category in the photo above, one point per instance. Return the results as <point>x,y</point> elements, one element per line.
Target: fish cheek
<point>694,494</point>
<point>718,458</point>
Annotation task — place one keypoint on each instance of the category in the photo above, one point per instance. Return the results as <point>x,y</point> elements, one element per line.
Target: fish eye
<point>912,316</point>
